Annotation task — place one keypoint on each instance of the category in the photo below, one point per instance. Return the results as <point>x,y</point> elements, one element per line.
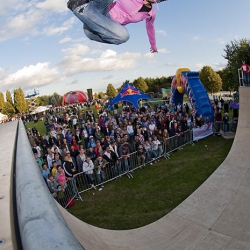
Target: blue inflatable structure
<point>187,82</point>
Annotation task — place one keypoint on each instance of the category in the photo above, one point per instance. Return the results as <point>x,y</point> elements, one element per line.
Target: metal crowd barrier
<point>220,126</point>
<point>83,182</point>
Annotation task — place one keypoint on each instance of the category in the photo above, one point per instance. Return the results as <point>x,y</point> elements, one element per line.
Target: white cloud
<point>57,6</point>
<point>65,40</point>
<point>175,65</point>
<point>53,30</point>
<point>164,51</point>
<point>23,17</point>
<point>199,65</point>
<point>73,64</point>
<point>76,49</point>
<point>161,32</point>
<point>108,77</point>
<point>221,41</point>
<point>20,25</point>
<point>196,38</point>
<point>220,66</point>
<point>31,76</point>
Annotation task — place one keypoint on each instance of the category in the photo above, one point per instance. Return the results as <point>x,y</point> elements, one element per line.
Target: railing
<point>83,182</point>
<point>221,126</point>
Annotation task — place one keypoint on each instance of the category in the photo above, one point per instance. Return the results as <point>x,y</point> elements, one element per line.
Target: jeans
<point>225,127</point>
<point>101,177</point>
<point>246,79</point>
<point>98,25</point>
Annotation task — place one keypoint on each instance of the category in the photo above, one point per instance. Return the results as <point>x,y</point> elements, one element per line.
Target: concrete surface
<point>8,133</point>
<point>215,216</point>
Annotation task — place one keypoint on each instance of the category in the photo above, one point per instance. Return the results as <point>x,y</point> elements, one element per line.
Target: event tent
<point>74,97</point>
<point>39,109</point>
<point>131,94</point>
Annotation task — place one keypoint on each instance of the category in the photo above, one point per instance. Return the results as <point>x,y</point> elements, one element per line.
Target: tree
<point>42,100</point>
<point>9,97</point>
<point>101,95</point>
<point>227,79</point>
<point>95,95</point>
<point>8,109</point>
<point>19,101</point>
<point>1,101</point>
<point>235,52</point>
<point>56,100</point>
<point>140,84</point>
<point>110,92</point>
<point>210,79</point>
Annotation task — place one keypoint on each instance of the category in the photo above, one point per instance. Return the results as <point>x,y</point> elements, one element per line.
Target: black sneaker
<point>73,4</point>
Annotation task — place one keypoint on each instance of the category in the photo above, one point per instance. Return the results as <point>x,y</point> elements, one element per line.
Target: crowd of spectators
<point>102,145</point>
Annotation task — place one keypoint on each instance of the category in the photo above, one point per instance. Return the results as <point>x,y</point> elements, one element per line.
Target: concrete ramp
<point>216,216</point>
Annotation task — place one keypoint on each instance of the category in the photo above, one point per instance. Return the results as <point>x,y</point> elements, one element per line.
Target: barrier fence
<point>93,179</point>
<point>220,126</point>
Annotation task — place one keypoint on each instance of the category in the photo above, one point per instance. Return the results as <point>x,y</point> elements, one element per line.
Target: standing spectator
<point>156,144</point>
<point>245,70</point>
<point>45,172</point>
<point>53,186</point>
<point>218,120</point>
<point>50,158</point>
<point>100,167</point>
<point>80,159</point>
<point>88,168</point>
<point>112,160</point>
<point>140,155</point>
<point>225,123</point>
<point>91,153</point>
<point>68,167</point>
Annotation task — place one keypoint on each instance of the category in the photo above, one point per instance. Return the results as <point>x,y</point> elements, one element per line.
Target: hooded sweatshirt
<point>125,12</point>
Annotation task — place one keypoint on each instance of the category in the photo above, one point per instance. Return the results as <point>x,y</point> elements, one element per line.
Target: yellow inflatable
<point>178,78</point>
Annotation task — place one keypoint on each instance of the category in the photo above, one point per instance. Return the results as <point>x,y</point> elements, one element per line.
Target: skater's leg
<point>103,28</point>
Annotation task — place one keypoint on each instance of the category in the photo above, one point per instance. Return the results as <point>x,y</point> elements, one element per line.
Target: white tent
<point>2,116</point>
<point>39,109</point>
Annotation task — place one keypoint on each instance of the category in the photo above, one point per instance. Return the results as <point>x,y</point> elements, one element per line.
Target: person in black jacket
<point>112,160</point>
<point>70,173</point>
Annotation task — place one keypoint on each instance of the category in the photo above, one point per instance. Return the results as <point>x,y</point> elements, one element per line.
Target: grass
<point>155,190</point>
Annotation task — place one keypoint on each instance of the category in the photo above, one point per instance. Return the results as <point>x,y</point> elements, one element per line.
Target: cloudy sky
<point>42,44</point>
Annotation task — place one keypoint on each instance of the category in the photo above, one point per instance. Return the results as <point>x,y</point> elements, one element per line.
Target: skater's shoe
<point>73,4</point>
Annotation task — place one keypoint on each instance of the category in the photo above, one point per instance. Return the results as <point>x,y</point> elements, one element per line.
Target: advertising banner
<point>202,132</point>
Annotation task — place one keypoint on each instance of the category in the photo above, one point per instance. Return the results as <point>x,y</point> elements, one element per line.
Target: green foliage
<point>235,52</point>
<point>140,84</point>
<point>8,109</point>
<point>95,95</point>
<point>110,92</point>
<point>154,84</point>
<point>19,101</point>
<point>227,79</point>
<point>101,95</point>
<point>210,79</point>
<point>9,97</point>
<point>1,101</point>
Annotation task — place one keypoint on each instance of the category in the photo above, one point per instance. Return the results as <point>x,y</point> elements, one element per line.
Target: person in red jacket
<point>245,71</point>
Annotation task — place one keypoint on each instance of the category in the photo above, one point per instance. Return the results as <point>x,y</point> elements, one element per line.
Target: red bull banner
<point>202,132</point>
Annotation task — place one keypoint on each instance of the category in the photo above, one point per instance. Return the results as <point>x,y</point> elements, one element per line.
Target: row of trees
<point>20,105</point>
